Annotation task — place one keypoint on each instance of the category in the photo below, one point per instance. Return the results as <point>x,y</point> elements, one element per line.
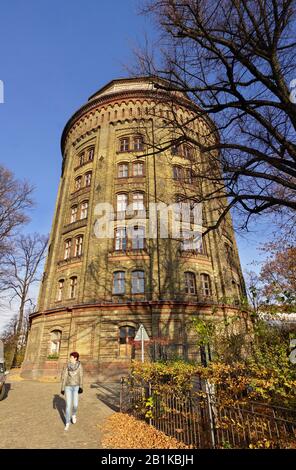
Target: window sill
<point>131,177</point>
<point>73,259</point>
<point>121,215</point>
<point>83,190</point>
<point>187,253</point>
<point>83,164</point>
<point>74,225</point>
<point>129,151</point>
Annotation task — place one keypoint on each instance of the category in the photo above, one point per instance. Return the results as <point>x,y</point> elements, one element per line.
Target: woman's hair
<point>75,354</point>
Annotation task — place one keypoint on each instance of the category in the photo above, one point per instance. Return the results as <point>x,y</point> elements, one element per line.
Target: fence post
<point>150,395</point>
<point>211,417</point>
<point>121,393</point>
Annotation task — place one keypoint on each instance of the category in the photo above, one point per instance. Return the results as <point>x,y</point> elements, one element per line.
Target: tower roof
<point>127,84</point>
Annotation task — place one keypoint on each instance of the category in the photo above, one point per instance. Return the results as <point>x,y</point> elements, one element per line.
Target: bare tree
<point>21,272</point>
<point>235,59</point>
<point>15,199</point>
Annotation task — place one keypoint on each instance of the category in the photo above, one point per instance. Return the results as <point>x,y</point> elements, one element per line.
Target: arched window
<point>138,169</point>
<point>55,342</point>
<point>120,238</point>
<point>119,282</point>
<point>74,210</point>
<point>188,175</point>
<point>187,240</point>
<point>84,210</point>
<point>192,241</point>
<point>206,285</point>
<point>138,201</point>
<point>190,283</point>
<point>121,202</point>
<point>138,282</point>
<point>177,173</point>
<point>73,287</point>
<point>67,252</point>
<point>126,335</point>
<point>138,143</point>
<point>78,245</point>
<point>138,237</point>
<point>124,144</point>
<point>60,293</point>
<point>81,158</point>
<point>78,183</point>
<point>122,170</point>
<point>175,149</point>
<point>90,154</point>
<point>88,178</point>
<point>187,152</point>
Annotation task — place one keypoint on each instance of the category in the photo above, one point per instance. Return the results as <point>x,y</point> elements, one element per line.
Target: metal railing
<point>201,421</point>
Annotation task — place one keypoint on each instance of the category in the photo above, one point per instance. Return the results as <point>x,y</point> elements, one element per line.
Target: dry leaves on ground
<point>121,431</point>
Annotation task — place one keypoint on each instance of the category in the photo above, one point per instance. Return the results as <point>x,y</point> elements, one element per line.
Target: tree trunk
<point>18,332</point>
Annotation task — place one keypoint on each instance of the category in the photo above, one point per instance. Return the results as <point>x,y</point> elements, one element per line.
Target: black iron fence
<point>201,421</point>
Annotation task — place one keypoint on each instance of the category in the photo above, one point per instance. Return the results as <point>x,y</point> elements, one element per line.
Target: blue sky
<point>53,56</point>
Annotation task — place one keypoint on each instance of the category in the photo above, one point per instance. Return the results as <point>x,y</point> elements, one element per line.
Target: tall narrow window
<point>81,158</point>
<point>91,152</point>
<point>190,283</point>
<point>206,285</point>
<point>120,238</point>
<point>138,143</point>
<point>188,177</point>
<point>187,240</point>
<point>74,210</point>
<point>138,169</point>
<point>138,201</point>
<point>67,252</point>
<point>138,238</point>
<point>88,179</point>
<point>177,173</point>
<point>55,342</point>
<point>78,245</point>
<point>138,282</point>
<point>73,287</point>
<point>84,210</point>
<point>175,149</point>
<point>122,170</point>
<point>78,182</point>
<point>121,202</point>
<point>61,285</point>
<point>119,282</point>
<point>124,144</point>
<point>126,335</point>
<point>187,152</point>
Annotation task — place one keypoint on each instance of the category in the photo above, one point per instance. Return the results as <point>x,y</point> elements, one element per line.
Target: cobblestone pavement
<point>32,417</point>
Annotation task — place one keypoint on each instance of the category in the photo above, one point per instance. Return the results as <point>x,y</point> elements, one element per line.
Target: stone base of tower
<point>100,333</point>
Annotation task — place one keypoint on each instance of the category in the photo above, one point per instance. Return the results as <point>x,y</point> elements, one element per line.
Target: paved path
<point>32,417</point>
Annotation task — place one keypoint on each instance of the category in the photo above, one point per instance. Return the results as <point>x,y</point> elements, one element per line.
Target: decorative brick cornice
<point>137,303</point>
<point>128,94</point>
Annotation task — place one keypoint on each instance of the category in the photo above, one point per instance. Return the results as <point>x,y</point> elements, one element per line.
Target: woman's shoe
<point>74,419</point>
<point>67,427</point>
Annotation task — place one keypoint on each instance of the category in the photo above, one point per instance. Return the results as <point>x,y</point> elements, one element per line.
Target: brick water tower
<point>96,291</point>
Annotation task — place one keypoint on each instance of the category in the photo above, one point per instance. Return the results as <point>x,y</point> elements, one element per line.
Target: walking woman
<point>72,384</point>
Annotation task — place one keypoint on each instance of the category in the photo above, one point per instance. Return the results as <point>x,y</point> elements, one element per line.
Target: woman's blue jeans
<point>71,394</point>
